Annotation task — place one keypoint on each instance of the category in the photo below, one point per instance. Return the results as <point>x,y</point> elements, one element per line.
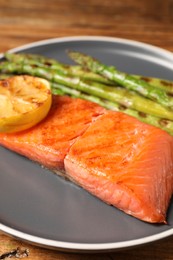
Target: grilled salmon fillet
<point>126,163</point>
<point>49,141</point>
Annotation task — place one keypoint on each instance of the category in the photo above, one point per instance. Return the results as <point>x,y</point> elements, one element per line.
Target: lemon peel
<point>24,102</point>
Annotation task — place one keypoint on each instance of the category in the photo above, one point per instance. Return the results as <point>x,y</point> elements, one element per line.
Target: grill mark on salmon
<point>124,162</point>
<point>49,141</point>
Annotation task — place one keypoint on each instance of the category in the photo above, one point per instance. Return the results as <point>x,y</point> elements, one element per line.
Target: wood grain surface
<point>149,21</point>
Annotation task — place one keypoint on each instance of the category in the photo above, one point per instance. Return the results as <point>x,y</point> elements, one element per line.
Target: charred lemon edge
<point>22,121</point>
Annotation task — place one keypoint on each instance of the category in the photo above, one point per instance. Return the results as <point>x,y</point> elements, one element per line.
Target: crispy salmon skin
<point>125,163</point>
<point>49,141</point>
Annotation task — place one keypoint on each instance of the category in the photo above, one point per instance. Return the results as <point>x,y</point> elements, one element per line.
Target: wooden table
<point>148,21</point>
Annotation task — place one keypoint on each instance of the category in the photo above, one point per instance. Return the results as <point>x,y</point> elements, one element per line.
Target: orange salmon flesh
<point>120,160</point>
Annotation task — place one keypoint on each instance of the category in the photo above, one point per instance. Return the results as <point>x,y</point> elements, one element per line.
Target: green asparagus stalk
<point>59,89</point>
<point>120,95</point>
<point>166,85</point>
<point>166,125</point>
<point>22,57</point>
<point>77,71</point>
<point>126,80</point>
<point>69,70</point>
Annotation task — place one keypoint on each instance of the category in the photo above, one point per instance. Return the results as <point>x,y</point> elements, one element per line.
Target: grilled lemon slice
<point>24,102</point>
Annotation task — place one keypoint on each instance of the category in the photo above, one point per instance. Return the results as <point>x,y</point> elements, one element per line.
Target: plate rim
<point>85,247</point>
<point>166,53</point>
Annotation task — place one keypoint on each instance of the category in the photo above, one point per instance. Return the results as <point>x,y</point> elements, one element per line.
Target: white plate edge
<point>84,246</point>
<point>166,54</point>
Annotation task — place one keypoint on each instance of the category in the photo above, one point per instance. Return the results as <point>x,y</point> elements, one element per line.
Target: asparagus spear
<point>21,57</point>
<point>59,89</point>
<point>120,95</point>
<point>126,80</point>
<point>70,70</point>
<point>166,85</point>
<point>74,70</point>
<point>166,125</point>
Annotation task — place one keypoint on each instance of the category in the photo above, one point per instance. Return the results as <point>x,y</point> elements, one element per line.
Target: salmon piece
<point>122,161</point>
<point>125,163</point>
<point>49,141</point>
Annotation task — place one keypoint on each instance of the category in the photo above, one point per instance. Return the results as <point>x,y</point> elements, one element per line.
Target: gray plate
<point>42,208</point>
